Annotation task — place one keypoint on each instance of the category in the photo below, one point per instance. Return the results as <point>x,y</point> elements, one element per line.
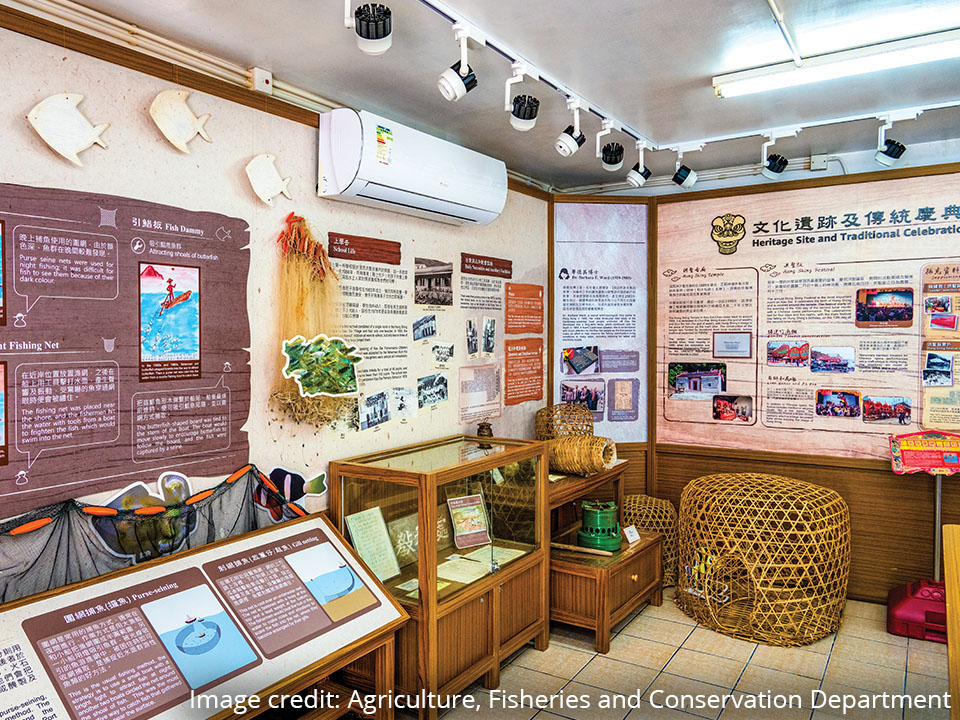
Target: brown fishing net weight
<point>71,541</point>
<point>763,557</point>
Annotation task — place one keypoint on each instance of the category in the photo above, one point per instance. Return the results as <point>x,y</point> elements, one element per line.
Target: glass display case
<point>466,519</point>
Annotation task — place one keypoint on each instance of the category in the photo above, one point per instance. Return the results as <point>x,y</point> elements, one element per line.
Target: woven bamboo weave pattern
<point>660,516</point>
<point>564,419</point>
<point>763,557</point>
<point>582,454</point>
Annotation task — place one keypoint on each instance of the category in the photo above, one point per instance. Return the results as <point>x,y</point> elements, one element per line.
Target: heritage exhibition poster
<point>122,347</point>
<point>818,321</point>
<point>600,323</point>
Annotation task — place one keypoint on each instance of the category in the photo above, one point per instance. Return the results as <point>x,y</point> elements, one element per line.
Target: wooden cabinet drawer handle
<point>634,577</point>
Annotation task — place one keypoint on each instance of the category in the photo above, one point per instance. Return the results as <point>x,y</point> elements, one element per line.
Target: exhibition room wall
<point>801,274</point>
<point>139,163</point>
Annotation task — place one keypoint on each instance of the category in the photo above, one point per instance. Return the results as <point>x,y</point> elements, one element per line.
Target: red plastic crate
<point>918,610</point>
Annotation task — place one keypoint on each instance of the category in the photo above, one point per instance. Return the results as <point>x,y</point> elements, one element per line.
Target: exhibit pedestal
<point>597,592</point>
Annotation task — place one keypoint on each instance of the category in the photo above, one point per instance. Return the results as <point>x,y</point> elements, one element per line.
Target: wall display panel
<point>123,352</point>
<point>226,621</point>
<point>600,322</point>
<point>816,321</point>
<point>140,163</point>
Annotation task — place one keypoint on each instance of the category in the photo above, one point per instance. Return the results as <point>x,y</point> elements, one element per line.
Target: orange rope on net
<point>296,238</point>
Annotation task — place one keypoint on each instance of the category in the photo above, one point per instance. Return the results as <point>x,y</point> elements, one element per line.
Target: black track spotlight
<point>373,24</point>
<point>458,79</point>
<point>639,173</point>
<point>523,115</point>
<point>891,152</point>
<point>571,139</point>
<point>774,166</point>
<point>684,176</point>
<point>523,108</point>
<point>611,156</point>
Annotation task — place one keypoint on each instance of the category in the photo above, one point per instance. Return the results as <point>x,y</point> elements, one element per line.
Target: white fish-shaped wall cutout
<point>64,127</point>
<point>265,179</point>
<point>176,120</point>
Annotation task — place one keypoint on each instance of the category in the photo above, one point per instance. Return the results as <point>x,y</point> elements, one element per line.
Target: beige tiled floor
<point>661,649</point>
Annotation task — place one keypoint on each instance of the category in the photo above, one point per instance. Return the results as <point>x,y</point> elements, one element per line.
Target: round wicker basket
<point>564,419</point>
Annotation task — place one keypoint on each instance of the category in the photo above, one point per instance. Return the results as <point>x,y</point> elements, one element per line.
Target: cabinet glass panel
<point>485,519</point>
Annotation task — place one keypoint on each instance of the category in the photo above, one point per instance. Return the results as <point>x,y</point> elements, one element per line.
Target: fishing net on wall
<point>72,541</point>
<point>308,295</point>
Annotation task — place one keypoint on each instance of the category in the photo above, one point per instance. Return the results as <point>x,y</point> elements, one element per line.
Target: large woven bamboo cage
<point>581,454</point>
<point>561,420</point>
<point>763,557</point>
<point>660,516</point>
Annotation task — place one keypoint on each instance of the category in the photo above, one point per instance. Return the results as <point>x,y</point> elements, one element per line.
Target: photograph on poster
<point>424,327</point>
<point>791,354</point>
<point>580,360</point>
<point>938,361</point>
<point>943,322</point>
<point>489,345</point>
<point>473,339</point>
<point>169,313</point>
<point>375,410</point>
<point>832,359</point>
<point>442,352</point>
<point>937,378</point>
<point>838,403</point>
<point>732,344</point>
<point>884,307</point>
<point>432,282</point>
<point>403,403</point>
<point>937,304</point>
<point>196,630</point>
<point>331,581</point>
<point>589,393</point>
<point>696,380</point>
<point>886,410</point>
<point>431,390</point>
<point>732,407</point>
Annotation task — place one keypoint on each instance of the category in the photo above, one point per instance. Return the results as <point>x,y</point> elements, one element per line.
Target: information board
<point>122,343</point>
<point>229,619</point>
<point>813,321</point>
<point>600,316</point>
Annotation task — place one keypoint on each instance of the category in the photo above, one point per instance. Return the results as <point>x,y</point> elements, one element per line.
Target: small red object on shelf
<point>918,610</point>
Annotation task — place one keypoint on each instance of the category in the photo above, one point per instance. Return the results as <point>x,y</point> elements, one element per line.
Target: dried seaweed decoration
<point>322,365</point>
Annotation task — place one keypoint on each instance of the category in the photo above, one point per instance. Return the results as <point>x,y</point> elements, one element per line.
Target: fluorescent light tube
<point>846,63</point>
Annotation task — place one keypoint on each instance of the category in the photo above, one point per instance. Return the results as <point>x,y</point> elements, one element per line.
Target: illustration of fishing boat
<point>182,297</point>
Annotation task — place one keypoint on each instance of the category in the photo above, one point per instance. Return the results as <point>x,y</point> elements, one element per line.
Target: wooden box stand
<point>598,591</point>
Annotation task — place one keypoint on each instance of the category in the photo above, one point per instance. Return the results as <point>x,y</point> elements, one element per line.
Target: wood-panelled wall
<point>891,516</point>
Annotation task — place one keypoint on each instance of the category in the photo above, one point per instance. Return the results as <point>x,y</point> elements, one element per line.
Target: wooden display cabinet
<point>595,591</point>
<point>459,631</point>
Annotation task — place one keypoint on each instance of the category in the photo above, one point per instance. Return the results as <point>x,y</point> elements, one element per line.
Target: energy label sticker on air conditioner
<point>384,145</point>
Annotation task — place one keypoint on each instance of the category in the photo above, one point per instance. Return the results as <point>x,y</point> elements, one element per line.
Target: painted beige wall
<point>140,163</point>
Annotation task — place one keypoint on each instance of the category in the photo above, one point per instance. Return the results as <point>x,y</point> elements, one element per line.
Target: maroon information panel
<point>289,592</point>
<point>142,650</point>
<point>122,346</point>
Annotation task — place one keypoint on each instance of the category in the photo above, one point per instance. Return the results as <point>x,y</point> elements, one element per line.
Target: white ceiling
<point>648,62</point>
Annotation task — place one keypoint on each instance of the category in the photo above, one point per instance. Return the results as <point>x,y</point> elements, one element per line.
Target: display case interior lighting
<point>943,45</point>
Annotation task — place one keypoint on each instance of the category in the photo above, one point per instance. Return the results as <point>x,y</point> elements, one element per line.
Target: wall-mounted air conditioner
<point>370,160</point>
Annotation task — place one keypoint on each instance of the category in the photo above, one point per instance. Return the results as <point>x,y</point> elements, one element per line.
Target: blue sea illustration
<point>172,333</point>
<point>206,649</point>
<point>331,585</point>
